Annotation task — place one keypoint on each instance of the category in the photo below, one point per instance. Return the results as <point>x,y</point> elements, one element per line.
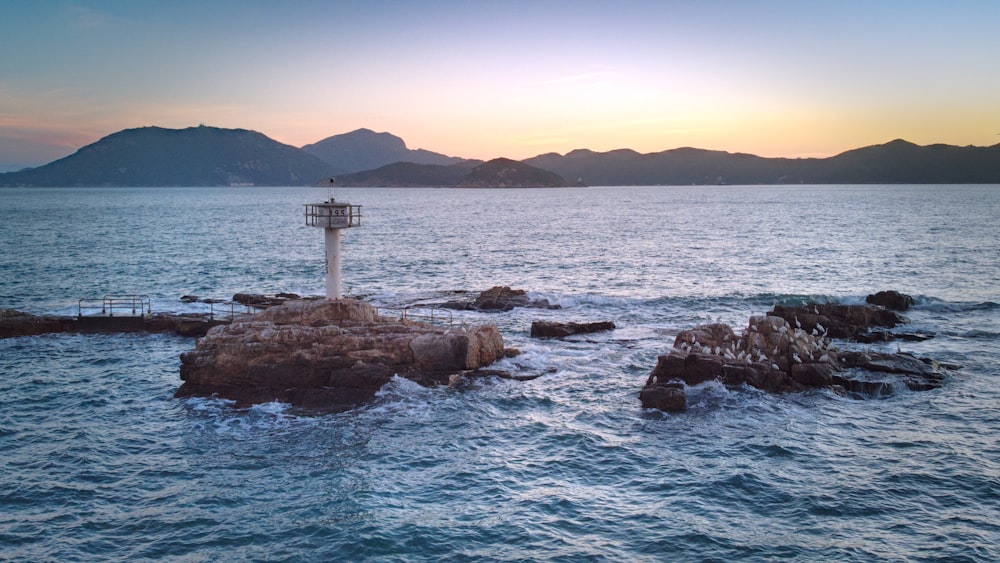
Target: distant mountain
<point>497,173</point>
<point>365,149</point>
<point>408,174</point>
<point>507,173</point>
<point>897,162</point>
<point>196,156</point>
<point>210,156</point>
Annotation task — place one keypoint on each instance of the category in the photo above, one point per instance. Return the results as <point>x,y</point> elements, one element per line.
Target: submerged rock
<point>551,329</point>
<point>332,354</point>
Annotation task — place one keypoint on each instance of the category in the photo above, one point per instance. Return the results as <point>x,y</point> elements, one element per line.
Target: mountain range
<point>211,156</point>
<point>896,162</point>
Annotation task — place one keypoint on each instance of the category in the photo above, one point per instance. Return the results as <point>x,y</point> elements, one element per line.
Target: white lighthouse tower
<point>332,216</point>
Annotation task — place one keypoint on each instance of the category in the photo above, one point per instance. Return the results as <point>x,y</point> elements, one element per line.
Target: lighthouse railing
<point>333,216</point>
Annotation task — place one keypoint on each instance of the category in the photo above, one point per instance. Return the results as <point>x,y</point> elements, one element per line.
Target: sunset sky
<point>505,78</point>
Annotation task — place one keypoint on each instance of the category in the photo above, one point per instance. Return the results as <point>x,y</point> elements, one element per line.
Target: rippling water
<point>98,461</point>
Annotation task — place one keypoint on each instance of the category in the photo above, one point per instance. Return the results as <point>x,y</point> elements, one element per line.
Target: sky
<point>484,79</point>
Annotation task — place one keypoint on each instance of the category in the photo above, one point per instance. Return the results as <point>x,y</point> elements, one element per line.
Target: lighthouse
<point>332,216</point>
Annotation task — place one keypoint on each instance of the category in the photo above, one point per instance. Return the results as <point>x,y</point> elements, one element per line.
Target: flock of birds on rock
<point>801,347</point>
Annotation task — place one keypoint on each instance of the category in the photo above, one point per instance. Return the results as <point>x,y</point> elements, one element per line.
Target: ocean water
<point>99,462</point>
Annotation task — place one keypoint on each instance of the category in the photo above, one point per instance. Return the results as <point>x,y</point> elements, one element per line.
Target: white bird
<point>775,351</point>
<point>775,367</point>
<point>815,309</point>
<point>821,328</point>
<point>824,358</point>
<point>797,323</point>
<point>796,357</point>
<point>815,332</point>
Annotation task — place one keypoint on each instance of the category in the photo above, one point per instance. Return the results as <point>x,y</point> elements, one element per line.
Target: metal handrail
<point>432,315</point>
<point>139,305</point>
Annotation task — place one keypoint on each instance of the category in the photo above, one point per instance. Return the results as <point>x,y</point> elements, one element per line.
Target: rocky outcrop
<point>499,299</point>
<point>260,301</point>
<point>15,323</point>
<point>892,299</point>
<point>328,354</point>
<point>772,355</point>
<point>667,397</point>
<point>552,329</point>
<point>862,323</point>
<point>836,320</point>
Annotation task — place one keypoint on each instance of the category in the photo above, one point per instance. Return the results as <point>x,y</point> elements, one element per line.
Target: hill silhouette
<point>196,156</point>
<point>897,162</point>
<point>409,174</point>
<point>210,156</point>
<point>507,173</point>
<point>364,149</point>
<point>497,173</point>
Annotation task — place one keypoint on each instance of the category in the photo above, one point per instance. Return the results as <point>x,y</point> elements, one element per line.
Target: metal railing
<point>333,215</point>
<point>123,305</point>
<point>428,315</point>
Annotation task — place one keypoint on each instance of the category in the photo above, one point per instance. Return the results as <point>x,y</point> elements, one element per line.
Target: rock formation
<point>773,355</point>
<point>891,300</point>
<point>836,320</point>
<point>498,299</point>
<point>552,329</point>
<point>328,354</point>
<point>15,323</point>
<point>855,322</point>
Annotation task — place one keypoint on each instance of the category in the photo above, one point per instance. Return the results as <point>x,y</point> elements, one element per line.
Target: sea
<point>99,461</point>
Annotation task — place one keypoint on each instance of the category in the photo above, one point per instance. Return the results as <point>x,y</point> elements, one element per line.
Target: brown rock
<point>667,397</point>
<point>550,329</point>
<point>891,300</point>
<point>812,374</point>
<point>15,323</point>
<point>835,320</point>
<point>311,352</point>
<point>710,336</point>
